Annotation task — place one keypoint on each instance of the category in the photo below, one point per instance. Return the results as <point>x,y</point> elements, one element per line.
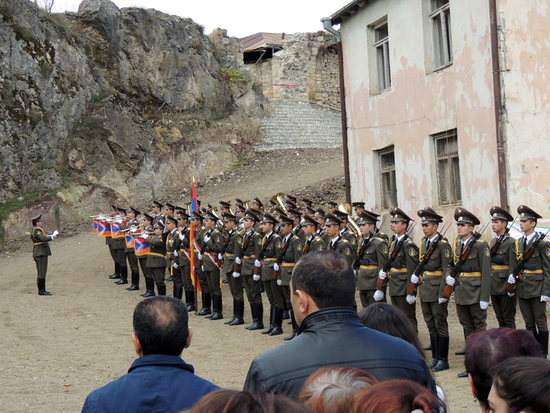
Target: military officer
<point>358,207</point>
<point>277,212</point>
<point>377,231</point>
<point>147,223</point>
<point>402,266</point>
<point>313,242</point>
<point>432,287</point>
<point>118,244</point>
<point>256,206</point>
<point>332,207</point>
<point>172,247</point>
<point>336,241</point>
<point>198,245</point>
<point>297,230</point>
<point>131,252</point>
<point>182,274</point>
<point>233,248</point>
<point>371,258</point>
<point>213,245</point>
<point>239,213</point>
<point>157,212</point>
<point>40,252</point>
<point>306,204</point>
<point>290,201</point>
<point>320,217</point>
<point>473,292</point>
<point>293,248</point>
<point>170,259</point>
<point>346,232</point>
<point>156,259</point>
<point>501,247</point>
<point>534,291</point>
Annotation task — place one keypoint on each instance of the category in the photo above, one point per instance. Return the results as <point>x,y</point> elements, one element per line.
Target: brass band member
<point>149,282</point>
<point>116,275</point>
<point>118,244</point>
<point>156,259</point>
<point>131,252</point>
<point>40,252</point>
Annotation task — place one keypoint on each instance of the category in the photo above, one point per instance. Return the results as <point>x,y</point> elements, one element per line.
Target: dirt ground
<point>56,350</point>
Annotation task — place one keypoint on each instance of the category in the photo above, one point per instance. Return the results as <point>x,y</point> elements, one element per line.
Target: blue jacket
<point>154,383</point>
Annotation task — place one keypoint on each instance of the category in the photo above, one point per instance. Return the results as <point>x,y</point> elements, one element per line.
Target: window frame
<point>441,41</point>
<point>453,187</point>
<point>388,196</point>
<point>383,68</point>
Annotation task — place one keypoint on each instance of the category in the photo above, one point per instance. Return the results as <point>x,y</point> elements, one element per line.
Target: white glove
<point>202,268</point>
<point>511,279</point>
<point>199,255</point>
<point>442,300</point>
<point>256,277</point>
<point>257,263</point>
<point>483,305</point>
<point>411,299</point>
<point>206,238</point>
<point>175,253</point>
<point>182,237</point>
<point>55,233</point>
<point>544,298</point>
<point>415,279</point>
<point>378,295</point>
<point>279,282</point>
<point>238,260</point>
<point>450,280</point>
<point>118,220</point>
<point>176,266</point>
<point>355,272</point>
<point>382,275</point>
<point>236,274</point>
<point>51,237</point>
<point>510,294</point>
<point>220,256</point>
<point>276,267</point>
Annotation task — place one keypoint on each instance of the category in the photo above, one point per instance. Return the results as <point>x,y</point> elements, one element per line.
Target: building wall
<point>421,102</point>
<point>264,74</point>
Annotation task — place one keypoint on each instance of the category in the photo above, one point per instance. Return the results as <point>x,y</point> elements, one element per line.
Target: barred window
<point>440,16</point>
<point>387,172</point>
<point>448,171</point>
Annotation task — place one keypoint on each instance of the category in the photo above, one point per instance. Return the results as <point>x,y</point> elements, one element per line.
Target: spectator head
<point>521,385</point>
<point>332,389</point>
<point>234,401</point>
<point>161,326</point>
<point>389,319</point>
<point>485,350</point>
<point>397,396</point>
<point>321,279</point>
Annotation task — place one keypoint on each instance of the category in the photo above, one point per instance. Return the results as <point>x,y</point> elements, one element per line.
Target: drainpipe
<point>498,106</point>
<point>327,25</point>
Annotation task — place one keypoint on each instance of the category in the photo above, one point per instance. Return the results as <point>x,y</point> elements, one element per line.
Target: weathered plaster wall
<point>525,34</point>
<point>420,104</point>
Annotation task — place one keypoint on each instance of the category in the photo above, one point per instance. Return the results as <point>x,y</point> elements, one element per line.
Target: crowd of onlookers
<point>340,361</point>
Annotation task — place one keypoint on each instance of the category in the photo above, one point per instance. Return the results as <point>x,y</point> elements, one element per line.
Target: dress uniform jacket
<point>40,240</point>
<point>351,237</point>
<point>199,244</point>
<point>435,270</point>
<point>371,262</point>
<point>402,267</point>
<point>133,222</point>
<point>536,274</point>
<point>344,247</point>
<point>253,250</point>
<point>475,278</point>
<point>159,217</point>
<point>172,243</point>
<point>271,254</point>
<point>214,246</point>
<point>316,243</point>
<point>183,247</point>
<point>500,264</point>
<point>290,258</point>
<point>232,248</point>
<point>157,252</point>
<point>324,236</point>
<point>299,232</point>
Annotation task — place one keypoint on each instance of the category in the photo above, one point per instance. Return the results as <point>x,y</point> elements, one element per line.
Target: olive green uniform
<point>253,250</point>
<point>370,263</point>
<point>156,261</point>
<point>40,250</point>
<point>233,248</point>
<point>314,243</point>
<point>503,304</point>
<point>291,256</point>
<point>343,246</point>
<point>273,249</point>
<point>210,262</point>
<point>352,238</point>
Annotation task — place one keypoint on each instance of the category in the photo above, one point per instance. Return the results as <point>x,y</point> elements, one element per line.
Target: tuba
<point>279,199</point>
<point>346,208</point>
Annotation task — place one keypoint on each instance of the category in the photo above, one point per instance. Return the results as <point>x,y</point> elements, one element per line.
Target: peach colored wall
<point>419,104</point>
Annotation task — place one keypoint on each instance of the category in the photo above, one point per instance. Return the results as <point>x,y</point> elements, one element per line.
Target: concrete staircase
<point>296,124</point>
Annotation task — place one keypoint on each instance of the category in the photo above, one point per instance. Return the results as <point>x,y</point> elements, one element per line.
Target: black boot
<point>41,282</point>
<point>434,344</point>
<point>271,321</point>
<point>135,282</point>
<point>206,302</point>
<point>240,314</point>
<point>116,275</point>
<point>286,315</point>
<point>161,289</point>
<point>234,312</point>
<point>150,285</point>
<point>443,361</point>
<point>278,322</point>
<point>190,300</point>
<point>123,276</point>
<point>258,320</point>
<point>253,312</point>
<point>294,328</point>
<point>542,338</point>
<point>218,307</point>
<point>178,292</point>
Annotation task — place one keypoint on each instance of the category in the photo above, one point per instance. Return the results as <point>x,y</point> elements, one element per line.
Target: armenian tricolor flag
<point>142,247</point>
<point>115,229</point>
<point>96,225</point>
<point>103,229</point>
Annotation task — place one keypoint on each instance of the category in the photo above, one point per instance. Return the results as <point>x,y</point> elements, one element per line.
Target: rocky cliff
<point>114,105</point>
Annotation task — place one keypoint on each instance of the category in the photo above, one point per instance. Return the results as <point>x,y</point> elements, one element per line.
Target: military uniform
<point>130,253</point>
<point>156,259</point>
<point>213,245</point>
<point>172,247</point>
<point>184,266</point>
<point>198,246</point>
<point>142,259</point>
<point>233,248</point>
<point>40,252</point>
<point>370,263</point>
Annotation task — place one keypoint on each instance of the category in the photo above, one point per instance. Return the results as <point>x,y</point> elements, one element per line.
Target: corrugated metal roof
<point>261,41</point>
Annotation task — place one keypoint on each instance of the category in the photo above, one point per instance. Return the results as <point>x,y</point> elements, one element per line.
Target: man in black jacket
<point>323,295</point>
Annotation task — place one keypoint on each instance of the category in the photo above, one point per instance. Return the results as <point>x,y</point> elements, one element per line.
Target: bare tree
<point>45,4</point>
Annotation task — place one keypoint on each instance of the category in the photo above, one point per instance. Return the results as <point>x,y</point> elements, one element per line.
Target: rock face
<point>112,104</point>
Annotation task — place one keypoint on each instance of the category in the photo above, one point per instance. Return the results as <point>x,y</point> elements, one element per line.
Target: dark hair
<point>391,320</point>
<point>327,277</point>
<point>397,396</point>
<point>524,384</point>
<point>485,350</point>
<point>234,401</point>
<point>161,325</point>
<point>332,389</point>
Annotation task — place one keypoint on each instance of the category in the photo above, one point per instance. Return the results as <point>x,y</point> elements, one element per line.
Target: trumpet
<point>132,228</point>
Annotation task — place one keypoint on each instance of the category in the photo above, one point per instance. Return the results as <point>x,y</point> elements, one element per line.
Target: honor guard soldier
<point>377,231</point>
<point>432,287</point>
<point>213,245</point>
<point>130,252</point>
<point>233,248</point>
<point>272,246</point>
<point>308,211</point>
<point>336,241</point>
<point>118,244</point>
<point>277,212</point>
<point>502,246</point>
<point>149,282</point>
<point>403,265</point>
<point>534,291</point>
<point>320,217</point>
<point>198,245</point>
<point>172,251</point>
<point>371,258</point>
<point>306,203</point>
<point>332,207</point>
<point>108,239</point>
<point>157,213</point>
<point>290,201</point>
<point>358,207</point>
<point>296,217</point>
<point>313,242</point>
<point>169,212</point>
<point>293,249</point>
<point>346,232</point>
<point>40,252</point>
<point>182,277</point>
<point>239,213</point>
<point>156,259</point>
<point>256,206</point>
<point>473,292</point>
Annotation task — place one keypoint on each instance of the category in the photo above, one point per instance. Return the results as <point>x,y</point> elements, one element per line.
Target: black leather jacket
<point>335,337</point>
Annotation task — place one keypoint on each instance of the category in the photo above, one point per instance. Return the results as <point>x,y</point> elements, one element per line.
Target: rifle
<point>280,259</point>
<point>205,246</point>
<point>526,255</point>
<point>420,268</point>
<point>500,238</point>
<point>387,266</point>
<point>245,246</point>
<point>257,269</point>
<point>356,264</point>
<point>456,269</point>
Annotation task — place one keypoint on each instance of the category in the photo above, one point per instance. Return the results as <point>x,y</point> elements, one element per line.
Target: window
<point>381,47</point>
<point>440,17</point>
<point>387,172</point>
<point>448,171</point>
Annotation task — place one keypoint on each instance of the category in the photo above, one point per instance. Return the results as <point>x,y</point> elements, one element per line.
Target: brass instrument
<point>279,199</point>
<point>346,208</point>
<point>246,206</point>
<point>218,220</point>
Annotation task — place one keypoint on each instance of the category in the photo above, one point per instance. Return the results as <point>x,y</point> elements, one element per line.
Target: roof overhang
<point>348,10</point>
